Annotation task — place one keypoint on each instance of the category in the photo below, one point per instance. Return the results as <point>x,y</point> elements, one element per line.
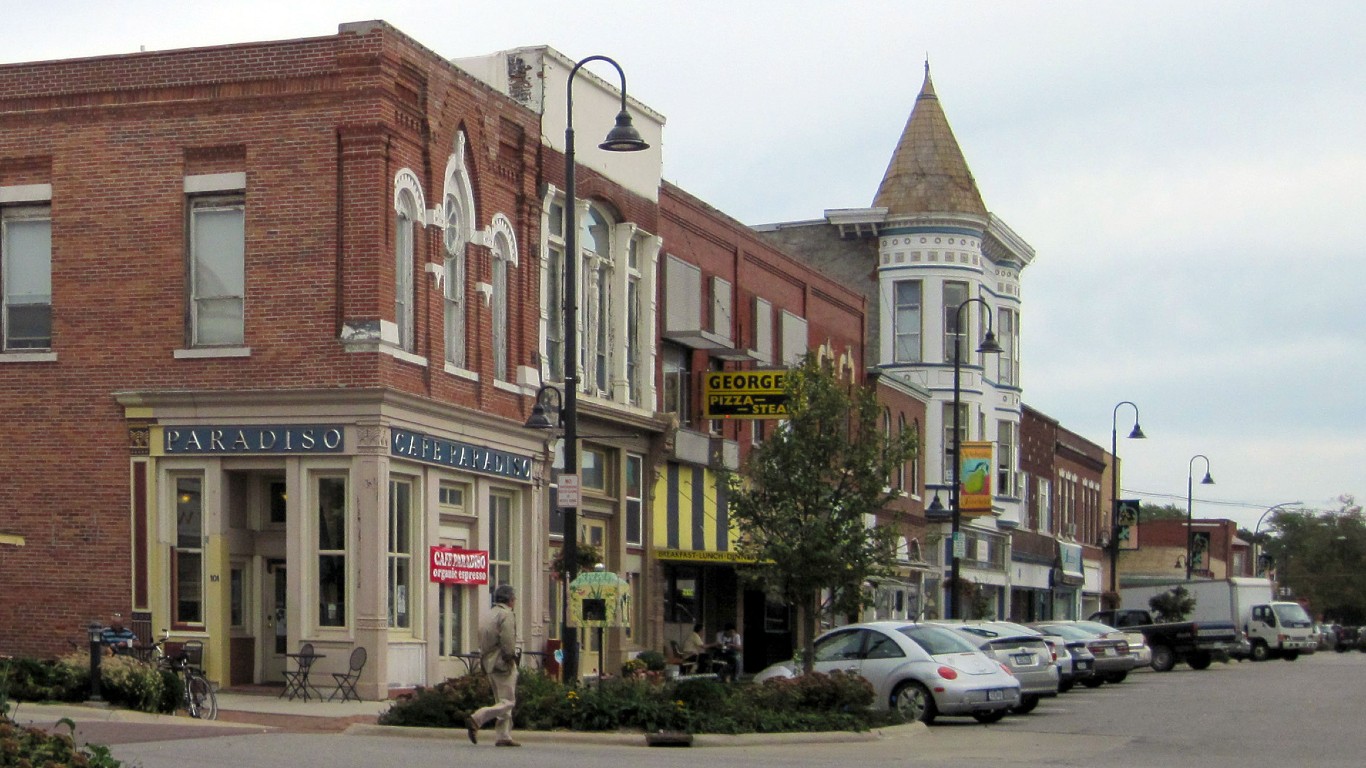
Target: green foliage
<point>813,702</point>
<point>804,494</point>
<point>1148,512</point>
<point>654,660</point>
<point>47,680</point>
<point>1320,555</point>
<point>1173,605</point>
<point>35,747</point>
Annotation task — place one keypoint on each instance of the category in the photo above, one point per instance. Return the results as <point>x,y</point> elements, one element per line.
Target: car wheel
<point>914,702</point>
<point>1260,651</point>
<point>1163,658</point>
<point>1027,704</point>
<point>1066,685</point>
<point>1200,660</point>
<point>1116,677</point>
<point>989,717</point>
<point>1094,681</point>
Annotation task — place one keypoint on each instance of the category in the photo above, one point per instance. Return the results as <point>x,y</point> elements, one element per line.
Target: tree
<point>1173,605</point>
<point>804,497</point>
<point>1320,555</point>
<point>1164,512</point>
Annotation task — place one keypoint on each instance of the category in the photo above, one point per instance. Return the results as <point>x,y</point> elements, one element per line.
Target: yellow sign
<point>701,556</point>
<point>744,395</point>
<point>974,478</point>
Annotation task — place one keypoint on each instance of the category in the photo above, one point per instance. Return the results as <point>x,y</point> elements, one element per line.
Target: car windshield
<point>1291,614</point>
<point>937,640</point>
<point>1068,632</point>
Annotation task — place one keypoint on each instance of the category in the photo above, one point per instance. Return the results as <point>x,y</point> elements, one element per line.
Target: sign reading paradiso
<point>273,438</point>
<point>453,453</point>
<point>744,395</point>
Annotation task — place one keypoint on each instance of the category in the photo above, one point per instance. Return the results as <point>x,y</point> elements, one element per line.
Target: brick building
<point>276,302</point>
<point>1160,553</point>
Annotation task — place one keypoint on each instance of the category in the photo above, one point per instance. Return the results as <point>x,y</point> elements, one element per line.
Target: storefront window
<point>331,496</point>
<point>451,620</point>
<point>188,589</point>
<point>400,585</point>
<point>500,539</point>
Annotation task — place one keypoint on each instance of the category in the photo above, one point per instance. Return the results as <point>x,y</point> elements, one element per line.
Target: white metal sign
<point>569,491</point>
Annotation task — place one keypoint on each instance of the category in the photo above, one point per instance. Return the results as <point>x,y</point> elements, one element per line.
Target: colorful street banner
<point>599,599</point>
<point>1126,525</point>
<point>974,478</point>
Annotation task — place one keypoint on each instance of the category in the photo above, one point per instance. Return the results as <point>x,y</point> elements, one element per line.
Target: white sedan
<point>921,670</point>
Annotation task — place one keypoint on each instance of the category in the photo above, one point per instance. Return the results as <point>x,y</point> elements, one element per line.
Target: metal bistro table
<point>296,682</point>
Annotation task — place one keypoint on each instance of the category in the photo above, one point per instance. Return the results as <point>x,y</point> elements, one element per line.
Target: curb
<point>640,739</point>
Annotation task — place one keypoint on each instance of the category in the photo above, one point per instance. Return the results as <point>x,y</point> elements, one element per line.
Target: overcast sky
<point>1190,175</point>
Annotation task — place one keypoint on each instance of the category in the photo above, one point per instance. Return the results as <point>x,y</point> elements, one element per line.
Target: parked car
<point>1022,649</point>
<point>1111,649</point>
<point>1138,647</point>
<point>1196,643</point>
<point>1075,663</point>
<point>919,669</point>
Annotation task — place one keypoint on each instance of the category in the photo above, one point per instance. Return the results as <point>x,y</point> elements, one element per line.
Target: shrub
<point>35,747</point>
<point>654,660</point>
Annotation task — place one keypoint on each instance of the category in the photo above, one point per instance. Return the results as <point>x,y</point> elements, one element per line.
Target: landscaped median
<point>649,703</point>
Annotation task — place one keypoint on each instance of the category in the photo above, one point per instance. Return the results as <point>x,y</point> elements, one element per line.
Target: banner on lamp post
<point>1126,525</point>
<point>974,478</point>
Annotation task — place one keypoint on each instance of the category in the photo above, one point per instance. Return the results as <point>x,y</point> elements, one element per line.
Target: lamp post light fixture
<point>1190,529</point>
<point>1136,434</point>
<point>988,345</point>
<point>622,138</point>
<point>1257,529</point>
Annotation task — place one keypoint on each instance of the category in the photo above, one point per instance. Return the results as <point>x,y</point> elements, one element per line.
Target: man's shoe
<point>507,743</point>
<point>472,730</point>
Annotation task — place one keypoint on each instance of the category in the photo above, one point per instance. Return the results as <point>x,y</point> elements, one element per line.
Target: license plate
<point>1083,665</point>
<point>1111,652</point>
<point>1024,659</point>
<point>996,695</point>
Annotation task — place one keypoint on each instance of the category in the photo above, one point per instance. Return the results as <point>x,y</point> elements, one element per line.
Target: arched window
<point>408,208</point>
<point>458,215</point>
<point>504,258</point>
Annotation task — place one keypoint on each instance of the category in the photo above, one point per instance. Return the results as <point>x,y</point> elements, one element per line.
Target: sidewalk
<point>235,709</point>
<point>257,710</point>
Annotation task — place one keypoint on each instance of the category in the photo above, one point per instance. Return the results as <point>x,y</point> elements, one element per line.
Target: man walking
<point>498,657</point>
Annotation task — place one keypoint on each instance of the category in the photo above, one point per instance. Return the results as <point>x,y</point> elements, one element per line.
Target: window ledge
<point>405,356</point>
<point>508,386</point>
<point>28,357</point>
<point>463,373</point>
<point>198,353</point>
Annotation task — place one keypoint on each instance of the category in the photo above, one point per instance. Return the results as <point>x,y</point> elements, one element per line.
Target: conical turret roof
<point>927,173</point>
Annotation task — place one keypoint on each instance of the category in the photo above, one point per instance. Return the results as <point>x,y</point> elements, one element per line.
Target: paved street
<point>1276,713</point>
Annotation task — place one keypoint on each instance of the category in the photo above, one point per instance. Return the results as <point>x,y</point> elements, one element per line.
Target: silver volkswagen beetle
<point>921,670</point>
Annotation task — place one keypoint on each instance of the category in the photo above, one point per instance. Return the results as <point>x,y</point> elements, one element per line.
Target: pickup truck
<point>1197,643</point>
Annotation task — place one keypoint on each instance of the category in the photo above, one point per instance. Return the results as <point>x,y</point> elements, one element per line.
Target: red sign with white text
<point>453,565</point>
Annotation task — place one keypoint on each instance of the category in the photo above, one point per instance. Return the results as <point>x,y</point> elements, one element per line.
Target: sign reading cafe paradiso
<point>453,565</point>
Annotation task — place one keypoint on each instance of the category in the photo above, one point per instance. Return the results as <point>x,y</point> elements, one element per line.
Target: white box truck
<point>1271,628</point>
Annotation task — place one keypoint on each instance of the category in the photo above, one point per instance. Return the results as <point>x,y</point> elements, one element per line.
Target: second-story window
<point>404,241</point>
<point>906,321</point>
<point>26,277</point>
<point>217,270</point>
<point>454,239</point>
<point>677,383</point>
<point>955,338</point>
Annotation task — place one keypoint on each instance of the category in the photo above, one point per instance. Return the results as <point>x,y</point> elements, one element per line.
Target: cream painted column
<point>368,567</point>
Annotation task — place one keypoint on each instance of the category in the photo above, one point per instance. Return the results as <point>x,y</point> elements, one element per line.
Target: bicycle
<point>199,698</point>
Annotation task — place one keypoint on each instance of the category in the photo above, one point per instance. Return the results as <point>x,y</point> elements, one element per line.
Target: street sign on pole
<point>960,545</point>
<point>569,491</point>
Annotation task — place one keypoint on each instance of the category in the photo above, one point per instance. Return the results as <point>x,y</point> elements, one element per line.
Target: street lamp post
<point>1136,434</point>
<point>988,345</point>
<point>1190,530</point>
<point>1257,529</point>
<point>622,138</point>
